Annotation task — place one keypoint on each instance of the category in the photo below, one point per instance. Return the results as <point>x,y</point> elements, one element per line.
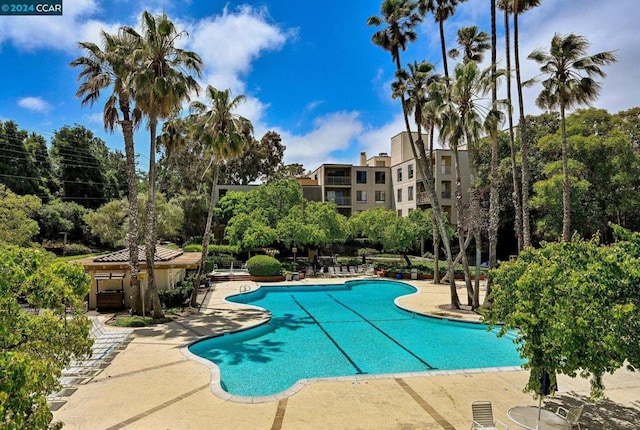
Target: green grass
<point>138,321</point>
<point>77,257</point>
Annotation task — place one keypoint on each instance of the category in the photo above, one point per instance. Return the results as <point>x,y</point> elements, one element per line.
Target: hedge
<point>264,265</point>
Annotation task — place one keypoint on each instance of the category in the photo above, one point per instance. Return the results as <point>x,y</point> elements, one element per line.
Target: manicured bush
<point>177,297</point>
<point>264,265</point>
<point>77,249</point>
<point>222,249</point>
<point>192,247</point>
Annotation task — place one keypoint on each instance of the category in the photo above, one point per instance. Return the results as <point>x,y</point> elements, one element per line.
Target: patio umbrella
<point>546,388</point>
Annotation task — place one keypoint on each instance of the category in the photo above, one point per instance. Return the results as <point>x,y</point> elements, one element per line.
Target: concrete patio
<point>152,385</point>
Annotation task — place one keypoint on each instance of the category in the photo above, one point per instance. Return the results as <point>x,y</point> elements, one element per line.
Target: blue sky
<point>308,68</point>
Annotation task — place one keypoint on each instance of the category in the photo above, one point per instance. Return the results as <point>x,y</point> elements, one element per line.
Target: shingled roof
<point>122,256</point>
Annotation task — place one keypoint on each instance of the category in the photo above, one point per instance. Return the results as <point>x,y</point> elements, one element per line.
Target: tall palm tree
<point>517,8</point>
<point>494,210</point>
<point>224,135</point>
<point>441,10</point>
<point>472,43</point>
<point>465,118</point>
<point>516,196</point>
<point>570,82</point>
<point>104,68</point>
<point>162,82</point>
<point>401,18</point>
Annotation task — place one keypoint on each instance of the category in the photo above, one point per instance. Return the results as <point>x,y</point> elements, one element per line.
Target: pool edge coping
<point>218,391</point>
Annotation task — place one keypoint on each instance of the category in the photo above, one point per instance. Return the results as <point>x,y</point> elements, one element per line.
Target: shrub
<point>177,297</point>
<point>77,249</point>
<point>223,249</point>
<point>264,265</point>
<point>192,247</point>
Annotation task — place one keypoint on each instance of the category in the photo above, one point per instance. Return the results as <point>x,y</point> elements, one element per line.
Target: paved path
<point>153,385</point>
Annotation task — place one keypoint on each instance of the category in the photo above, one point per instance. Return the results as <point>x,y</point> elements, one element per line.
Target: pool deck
<point>152,384</point>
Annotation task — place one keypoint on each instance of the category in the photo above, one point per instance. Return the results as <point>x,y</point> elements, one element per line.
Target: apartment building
<point>408,188</point>
<point>357,188</point>
<point>392,181</point>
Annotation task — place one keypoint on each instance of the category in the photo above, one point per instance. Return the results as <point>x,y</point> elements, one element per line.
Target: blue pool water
<point>342,330</point>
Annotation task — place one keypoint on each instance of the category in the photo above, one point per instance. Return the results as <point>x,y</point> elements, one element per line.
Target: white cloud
<point>36,104</point>
<point>251,33</point>
<point>330,134</point>
<point>55,32</point>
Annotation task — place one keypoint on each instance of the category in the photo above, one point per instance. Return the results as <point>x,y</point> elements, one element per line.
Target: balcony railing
<point>338,180</point>
<point>422,198</point>
<point>340,200</point>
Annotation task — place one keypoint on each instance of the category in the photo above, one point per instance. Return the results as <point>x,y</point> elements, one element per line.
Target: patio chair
<point>483,416</point>
<point>332,271</point>
<point>572,415</point>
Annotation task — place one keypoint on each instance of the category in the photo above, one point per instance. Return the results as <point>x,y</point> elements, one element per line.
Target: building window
<point>400,174</point>
<point>445,165</point>
<point>446,189</point>
<point>380,197</point>
<point>361,176</point>
<point>410,210</point>
<point>361,196</point>
<point>399,195</point>
<point>410,194</point>
<point>399,212</point>
<point>410,171</point>
<point>381,178</point>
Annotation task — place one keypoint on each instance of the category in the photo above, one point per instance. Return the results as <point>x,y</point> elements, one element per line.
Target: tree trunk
<point>132,196</point>
<point>515,195</point>
<point>151,240</point>
<point>494,210</point>
<point>460,228</point>
<point>524,142</point>
<point>205,237</point>
<point>566,185</point>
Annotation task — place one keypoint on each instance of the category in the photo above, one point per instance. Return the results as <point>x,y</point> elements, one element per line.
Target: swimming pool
<point>351,329</point>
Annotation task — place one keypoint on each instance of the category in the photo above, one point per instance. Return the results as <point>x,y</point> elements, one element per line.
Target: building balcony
<point>422,198</point>
<point>338,180</point>
<point>340,200</point>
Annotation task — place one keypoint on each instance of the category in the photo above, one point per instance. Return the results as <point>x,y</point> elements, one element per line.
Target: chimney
<point>363,158</point>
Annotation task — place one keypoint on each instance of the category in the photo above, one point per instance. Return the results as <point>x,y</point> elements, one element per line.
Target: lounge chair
<point>572,415</point>
<point>352,271</point>
<point>332,271</point>
<point>483,416</point>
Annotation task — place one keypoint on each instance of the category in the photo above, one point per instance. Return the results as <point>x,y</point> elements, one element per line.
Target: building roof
<point>162,254</point>
<point>164,258</point>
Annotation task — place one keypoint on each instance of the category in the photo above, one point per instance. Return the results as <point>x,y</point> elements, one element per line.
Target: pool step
<point>510,334</point>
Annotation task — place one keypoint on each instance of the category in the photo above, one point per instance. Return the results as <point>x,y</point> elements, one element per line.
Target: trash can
<point>414,274</point>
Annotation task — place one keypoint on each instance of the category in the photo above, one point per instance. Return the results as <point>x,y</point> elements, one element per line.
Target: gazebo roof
<point>122,256</point>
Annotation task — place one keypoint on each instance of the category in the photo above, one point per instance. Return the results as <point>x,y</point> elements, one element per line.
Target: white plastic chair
<point>572,415</point>
<point>483,416</point>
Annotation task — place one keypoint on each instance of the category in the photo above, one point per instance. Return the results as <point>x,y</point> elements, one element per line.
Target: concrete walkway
<point>152,384</point>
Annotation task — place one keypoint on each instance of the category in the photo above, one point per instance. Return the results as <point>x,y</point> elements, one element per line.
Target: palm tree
<point>442,10</point>
<point>162,83</point>
<point>570,72</point>
<point>464,120</point>
<point>104,68</point>
<point>401,18</point>
<point>518,7</point>
<point>505,6</point>
<point>472,43</point>
<point>224,135</point>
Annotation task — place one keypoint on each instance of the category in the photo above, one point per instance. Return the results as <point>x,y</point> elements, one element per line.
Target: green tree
<point>575,306</point>
<point>36,346</point>
<point>57,216</point>
<point>162,83</point>
<point>441,10</point>
<point>80,169</point>
<point>16,214</point>
<point>259,159</point>
<point>569,82</point>
<point>472,43</point>
<point>223,135</point>
<point>401,18</point>
<point>20,158</point>
<point>101,69</point>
